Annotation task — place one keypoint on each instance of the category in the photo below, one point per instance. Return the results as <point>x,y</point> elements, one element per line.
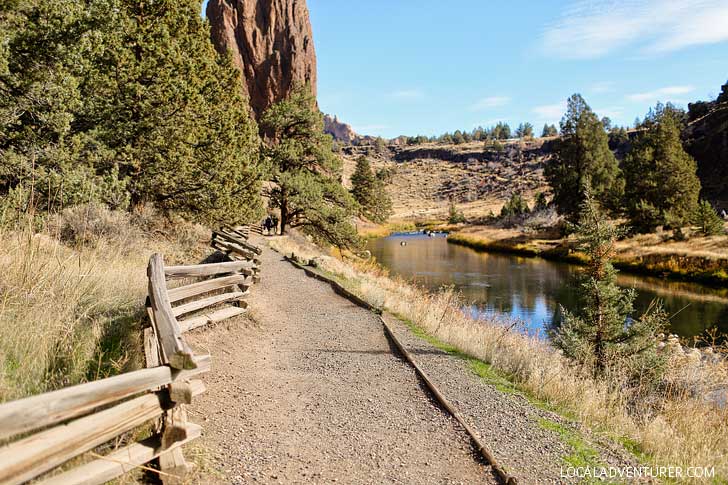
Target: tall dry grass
<point>676,426</point>
<point>71,311</point>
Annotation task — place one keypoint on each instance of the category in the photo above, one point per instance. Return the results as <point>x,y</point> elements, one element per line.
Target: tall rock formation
<point>271,41</point>
<point>340,131</point>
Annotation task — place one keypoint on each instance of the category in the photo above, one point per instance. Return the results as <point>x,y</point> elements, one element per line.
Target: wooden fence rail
<point>52,428</point>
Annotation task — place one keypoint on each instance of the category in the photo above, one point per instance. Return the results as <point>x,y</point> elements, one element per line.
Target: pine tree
<point>662,186</point>
<point>305,173</point>
<point>600,333</point>
<point>524,130</point>
<point>708,221</point>
<point>583,162</point>
<point>369,192</point>
<point>549,130</point>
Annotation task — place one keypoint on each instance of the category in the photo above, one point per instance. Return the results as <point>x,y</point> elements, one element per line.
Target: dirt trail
<point>309,391</point>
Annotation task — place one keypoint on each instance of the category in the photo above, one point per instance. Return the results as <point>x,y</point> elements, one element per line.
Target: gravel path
<point>308,390</point>
<point>507,423</point>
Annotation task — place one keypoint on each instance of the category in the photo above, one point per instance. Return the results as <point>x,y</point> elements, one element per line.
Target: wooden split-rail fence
<point>47,431</point>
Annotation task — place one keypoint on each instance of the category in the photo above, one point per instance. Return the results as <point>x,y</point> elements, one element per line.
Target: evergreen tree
<point>708,221</point>
<point>305,173</point>
<point>115,101</point>
<point>583,162</point>
<point>600,333</point>
<point>515,206</point>
<point>662,186</point>
<point>524,130</point>
<point>454,216</point>
<point>541,202</point>
<point>172,111</point>
<point>369,192</point>
<point>549,130</point>
<point>502,131</point>
<point>43,53</point>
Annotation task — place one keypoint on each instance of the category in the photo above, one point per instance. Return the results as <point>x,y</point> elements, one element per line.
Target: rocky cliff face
<point>271,41</point>
<point>340,131</point>
<point>706,139</point>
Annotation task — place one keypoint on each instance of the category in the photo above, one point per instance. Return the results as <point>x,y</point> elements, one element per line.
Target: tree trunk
<point>284,215</point>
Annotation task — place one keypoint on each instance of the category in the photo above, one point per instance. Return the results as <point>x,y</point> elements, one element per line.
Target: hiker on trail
<point>268,224</point>
<point>274,220</point>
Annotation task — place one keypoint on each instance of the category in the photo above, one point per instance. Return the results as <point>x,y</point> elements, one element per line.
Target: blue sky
<point>391,67</point>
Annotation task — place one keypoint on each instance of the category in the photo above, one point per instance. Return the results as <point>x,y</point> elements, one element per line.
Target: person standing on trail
<point>268,224</point>
<point>274,222</point>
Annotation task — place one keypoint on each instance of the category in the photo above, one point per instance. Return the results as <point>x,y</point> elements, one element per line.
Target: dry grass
<point>702,259</point>
<point>676,427</point>
<point>72,313</point>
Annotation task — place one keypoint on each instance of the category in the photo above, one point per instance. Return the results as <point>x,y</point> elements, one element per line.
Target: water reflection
<point>531,289</point>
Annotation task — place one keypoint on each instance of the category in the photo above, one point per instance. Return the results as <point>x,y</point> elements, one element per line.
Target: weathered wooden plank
<point>206,302</point>
<point>182,292</point>
<point>36,454</point>
<point>217,316</point>
<point>234,248</point>
<point>244,267</point>
<point>243,232</point>
<point>237,240</point>
<point>151,343</point>
<point>120,462</point>
<point>176,351</point>
<point>46,409</point>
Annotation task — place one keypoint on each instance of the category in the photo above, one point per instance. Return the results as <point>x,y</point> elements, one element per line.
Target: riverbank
<point>700,259</point>
<point>679,428</point>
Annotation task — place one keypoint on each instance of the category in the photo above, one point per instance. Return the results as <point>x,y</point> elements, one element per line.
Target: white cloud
<point>550,112</point>
<point>408,94</point>
<point>593,28</point>
<point>610,112</point>
<point>490,102</point>
<point>602,87</point>
<point>662,94</point>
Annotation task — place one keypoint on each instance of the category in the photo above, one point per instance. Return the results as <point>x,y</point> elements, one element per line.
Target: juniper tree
<point>44,49</point>
<point>583,162</point>
<point>369,192</point>
<point>662,185</point>
<point>454,216</point>
<point>601,332</point>
<point>541,203</point>
<point>708,221</point>
<point>170,107</point>
<point>305,173</point>
<point>515,206</point>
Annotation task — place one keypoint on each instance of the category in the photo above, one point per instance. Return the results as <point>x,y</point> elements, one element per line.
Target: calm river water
<point>531,289</point>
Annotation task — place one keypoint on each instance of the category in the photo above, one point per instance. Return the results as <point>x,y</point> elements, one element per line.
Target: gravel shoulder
<point>530,442</point>
<point>306,389</point>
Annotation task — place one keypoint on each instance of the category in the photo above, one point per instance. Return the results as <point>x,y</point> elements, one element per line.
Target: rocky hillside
<point>271,41</point>
<point>706,139</point>
<point>424,177</point>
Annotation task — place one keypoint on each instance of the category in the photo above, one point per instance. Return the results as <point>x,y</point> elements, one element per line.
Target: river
<point>530,290</point>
